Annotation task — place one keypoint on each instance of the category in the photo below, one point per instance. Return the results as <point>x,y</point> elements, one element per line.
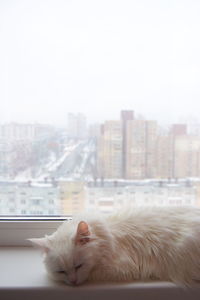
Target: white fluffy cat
<point>147,243</point>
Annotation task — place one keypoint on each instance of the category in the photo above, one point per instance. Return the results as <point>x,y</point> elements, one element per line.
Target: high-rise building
<point>150,155</point>
<point>16,132</point>
<point>164,156</point>
<point>135,149</point>
<point>109,153</point>
<point>178,154</point>
<point>77,126</point>
<point>126,115</point>
<point>179,129</point>
<point>140,149</point>
<point>186,156</point>
<point>17,142</point>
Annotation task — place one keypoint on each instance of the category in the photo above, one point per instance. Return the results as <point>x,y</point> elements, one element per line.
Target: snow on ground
<point>59,162</point>
<point>24,175</point>
<point>52,165</point>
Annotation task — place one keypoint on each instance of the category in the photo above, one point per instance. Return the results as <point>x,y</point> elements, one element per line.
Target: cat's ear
<point>42,243</point>
<point>82,233</point>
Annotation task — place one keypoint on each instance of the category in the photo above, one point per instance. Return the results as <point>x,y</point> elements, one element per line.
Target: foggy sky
<point>98,57</point>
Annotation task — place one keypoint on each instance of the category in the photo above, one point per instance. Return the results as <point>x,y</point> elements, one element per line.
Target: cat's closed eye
<point>78,267</point>
<point>61,272</point>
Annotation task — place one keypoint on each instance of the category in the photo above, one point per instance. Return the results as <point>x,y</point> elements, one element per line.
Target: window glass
<point>99,105</point>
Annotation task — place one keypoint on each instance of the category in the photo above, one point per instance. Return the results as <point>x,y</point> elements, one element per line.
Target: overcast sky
<point>98,57</point>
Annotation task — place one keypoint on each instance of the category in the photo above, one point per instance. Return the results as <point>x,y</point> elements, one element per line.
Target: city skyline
<point>44,171</point>
<point>189,120</point>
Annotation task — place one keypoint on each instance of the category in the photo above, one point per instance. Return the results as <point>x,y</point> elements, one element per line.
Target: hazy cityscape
<point>99,105</point>
<point>51,170</point>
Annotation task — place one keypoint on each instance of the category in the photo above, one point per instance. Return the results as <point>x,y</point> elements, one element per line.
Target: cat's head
<point>70,256</point>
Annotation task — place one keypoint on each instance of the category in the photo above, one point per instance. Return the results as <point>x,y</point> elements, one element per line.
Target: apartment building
<point>136,149</point>
<point>27,198</point>
<point>76,126</point>
<point>126,115</point>
<point>108,198</point>
<point>72,197</point>
<point>164,154</point>
<point>186,156</point>
<point>109,150</point>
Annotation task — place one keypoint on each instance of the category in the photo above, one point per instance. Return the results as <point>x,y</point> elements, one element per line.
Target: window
<point>36,201</point>
<point>98,99</point>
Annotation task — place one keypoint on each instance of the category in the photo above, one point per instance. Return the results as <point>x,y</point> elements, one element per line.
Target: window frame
<point>15,231</point>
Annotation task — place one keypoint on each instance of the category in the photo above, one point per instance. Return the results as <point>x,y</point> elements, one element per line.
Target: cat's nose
<point>73,282</point>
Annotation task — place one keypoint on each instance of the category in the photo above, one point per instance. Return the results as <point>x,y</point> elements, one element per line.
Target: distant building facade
<point>126,115</point>
<point>72,197</point>
<point>76,126</point>
<point>107,199</point>
<point>109,150</point>
<point>29,199</point>
<point>144,152</point>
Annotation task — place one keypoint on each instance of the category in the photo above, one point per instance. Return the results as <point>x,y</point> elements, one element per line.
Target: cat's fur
<point>146,243</point>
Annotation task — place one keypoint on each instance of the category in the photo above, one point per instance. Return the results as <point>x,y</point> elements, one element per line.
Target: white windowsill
<point>22,276</point>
